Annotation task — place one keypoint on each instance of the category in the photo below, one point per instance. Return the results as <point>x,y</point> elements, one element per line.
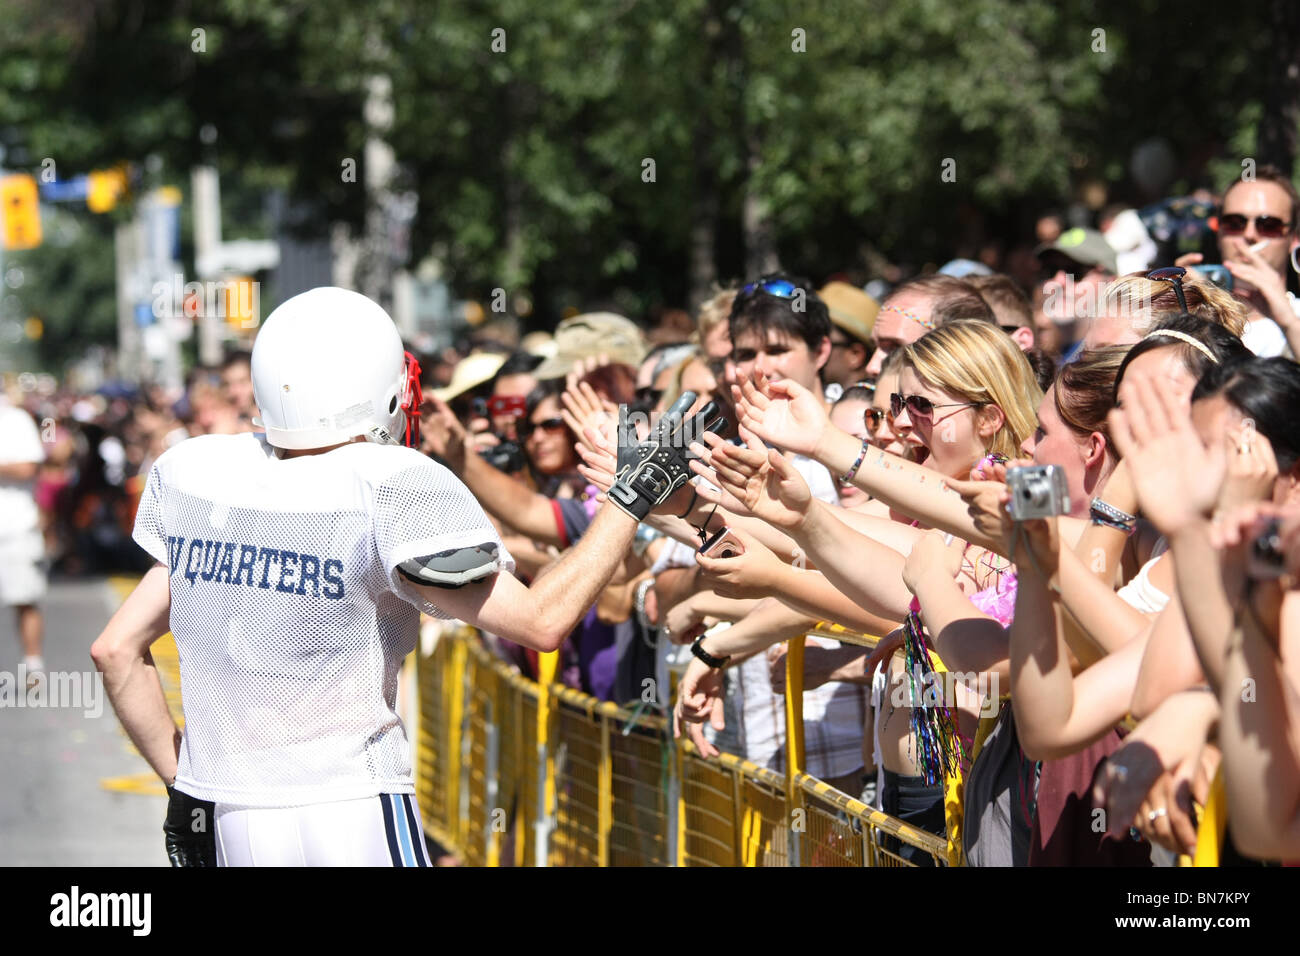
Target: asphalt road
<point>73,790</point>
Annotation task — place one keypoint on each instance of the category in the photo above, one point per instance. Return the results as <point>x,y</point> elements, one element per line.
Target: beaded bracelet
<point>1107,515</point>
<point>846,479</point>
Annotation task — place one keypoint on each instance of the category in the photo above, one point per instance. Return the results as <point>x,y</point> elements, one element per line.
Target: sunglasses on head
<point>1269,227</point>
<point>1174,275</point>
<point>781,288</point>
<point>525,429</point>
<point>918,406</point>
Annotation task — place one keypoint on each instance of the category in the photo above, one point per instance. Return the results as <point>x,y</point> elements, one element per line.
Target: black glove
<point>650,471</point>
<point>190,829</point>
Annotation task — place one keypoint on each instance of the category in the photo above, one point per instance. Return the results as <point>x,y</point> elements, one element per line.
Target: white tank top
<point>289,614</point>
<point>1139,592</point>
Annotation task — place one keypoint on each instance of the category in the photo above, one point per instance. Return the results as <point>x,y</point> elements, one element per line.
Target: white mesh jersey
<point>289,614</point>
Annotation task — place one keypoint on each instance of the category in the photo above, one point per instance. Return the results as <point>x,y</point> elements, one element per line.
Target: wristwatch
<point>717,663</point>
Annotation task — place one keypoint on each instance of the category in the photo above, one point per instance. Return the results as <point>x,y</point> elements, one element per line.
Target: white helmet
<point>328,365</point>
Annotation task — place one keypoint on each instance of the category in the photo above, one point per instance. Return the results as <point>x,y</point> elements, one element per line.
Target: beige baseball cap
<point>475,369</point>
<point>591,334</point>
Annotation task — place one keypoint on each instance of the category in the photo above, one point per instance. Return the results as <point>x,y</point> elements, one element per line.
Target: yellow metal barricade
<point>515,772</point>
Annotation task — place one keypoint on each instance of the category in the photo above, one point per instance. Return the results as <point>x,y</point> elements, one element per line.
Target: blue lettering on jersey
<point>287,560</point>
<point>211,551</point>
<point>227,567</point>
<point>247,558</point>
<point>174,545</point>
<point>309,570</point>
<point>335,580</point>
<point>215,561</point>
<point>266,554</point>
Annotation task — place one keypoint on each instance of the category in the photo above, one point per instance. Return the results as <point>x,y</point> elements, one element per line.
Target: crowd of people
<point>1069,513</point>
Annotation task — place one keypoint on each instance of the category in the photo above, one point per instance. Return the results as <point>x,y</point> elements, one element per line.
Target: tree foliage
<point>821,128</point>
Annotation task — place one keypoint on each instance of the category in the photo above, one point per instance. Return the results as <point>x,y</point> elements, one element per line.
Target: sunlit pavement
<point>73,790</point>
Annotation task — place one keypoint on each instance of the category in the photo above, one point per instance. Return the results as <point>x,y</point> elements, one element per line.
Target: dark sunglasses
<point>525,429</point>
<point>1074,271</point>
<point>1174,275</point>
<point>918,406</point>
<point>872,418</point>
<point>1270,227</point>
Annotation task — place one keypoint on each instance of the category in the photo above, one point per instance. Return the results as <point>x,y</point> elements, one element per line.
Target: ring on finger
<point>1154,815</point>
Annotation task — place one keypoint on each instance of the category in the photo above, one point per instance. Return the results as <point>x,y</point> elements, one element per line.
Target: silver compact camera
<point>1037,491</point>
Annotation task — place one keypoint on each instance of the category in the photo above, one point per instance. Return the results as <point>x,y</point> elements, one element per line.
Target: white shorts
<point>372,831</point>
<point>22,579</point>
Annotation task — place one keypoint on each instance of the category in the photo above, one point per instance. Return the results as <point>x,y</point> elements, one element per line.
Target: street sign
<point>65,190</point>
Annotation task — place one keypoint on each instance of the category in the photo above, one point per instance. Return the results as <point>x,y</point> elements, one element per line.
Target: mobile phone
<point>1217,274</point>
<point>722,544</point>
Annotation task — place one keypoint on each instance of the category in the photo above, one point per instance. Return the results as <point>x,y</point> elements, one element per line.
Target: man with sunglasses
<point>1257,237</point>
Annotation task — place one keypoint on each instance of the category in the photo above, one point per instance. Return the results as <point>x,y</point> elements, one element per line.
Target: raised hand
<point>1251,468</point>
<point>784,413</point>
<point>1250,269</point>
<point>442,434</point>
<point>684,622</point>
<point>599,456</point>
<point>1177,478</point>
<point>582,408</point>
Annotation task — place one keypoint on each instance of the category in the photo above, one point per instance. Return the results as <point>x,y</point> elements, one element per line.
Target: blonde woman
<point>966,392</point>
<point>1132,305</point>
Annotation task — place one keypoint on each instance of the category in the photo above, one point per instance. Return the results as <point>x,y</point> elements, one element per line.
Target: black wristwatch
<point>717,663</point>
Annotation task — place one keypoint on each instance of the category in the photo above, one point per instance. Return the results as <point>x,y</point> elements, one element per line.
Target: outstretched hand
<point>751,574</point>
<point>699,698</point>
<point>761,481</point>
<point>784,413</point>
<point>442,434</point>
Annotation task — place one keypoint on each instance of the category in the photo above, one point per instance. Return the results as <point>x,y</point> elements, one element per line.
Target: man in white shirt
<point>22,579</point>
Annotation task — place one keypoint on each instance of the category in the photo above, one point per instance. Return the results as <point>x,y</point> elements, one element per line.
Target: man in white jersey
<point>292,567</point>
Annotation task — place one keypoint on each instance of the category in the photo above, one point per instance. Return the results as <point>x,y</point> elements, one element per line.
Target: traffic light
<point>104,187</point>
<point>22,212</point>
